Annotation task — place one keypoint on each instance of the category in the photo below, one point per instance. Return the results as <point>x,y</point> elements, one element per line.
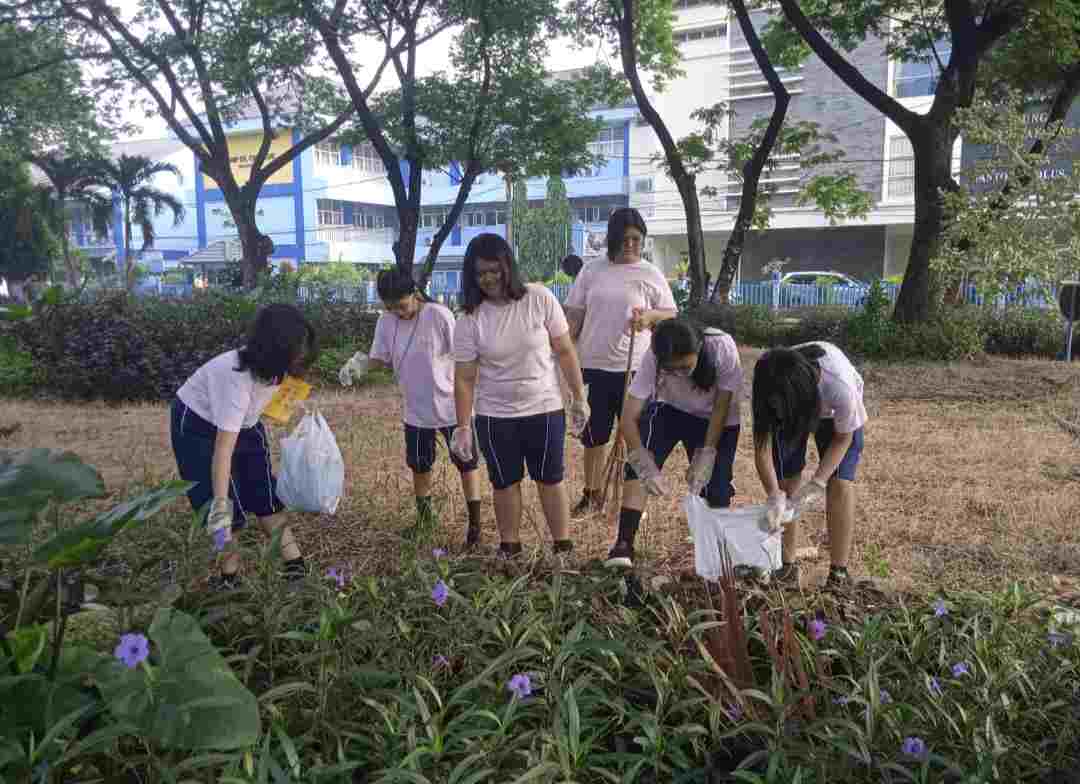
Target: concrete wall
<point>858,251</point>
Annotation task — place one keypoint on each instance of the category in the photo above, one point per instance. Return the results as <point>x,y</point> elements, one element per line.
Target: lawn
<point>967,481</point>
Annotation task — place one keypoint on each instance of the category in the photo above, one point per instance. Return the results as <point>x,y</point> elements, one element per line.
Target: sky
<point>433,56</point>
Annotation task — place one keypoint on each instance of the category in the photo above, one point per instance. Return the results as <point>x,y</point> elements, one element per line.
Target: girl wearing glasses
<point>810,388</point>
<point>608,299</point>
<point>505,347</point>
<point>686,391</point>
<point>415,339</point>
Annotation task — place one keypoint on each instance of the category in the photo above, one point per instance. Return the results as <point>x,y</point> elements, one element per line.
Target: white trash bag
<point>745,532</point>
<point>312,475</point>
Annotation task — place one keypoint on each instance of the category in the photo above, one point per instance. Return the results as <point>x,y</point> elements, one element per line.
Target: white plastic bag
<point>744,531</point>
<point>312,471</point>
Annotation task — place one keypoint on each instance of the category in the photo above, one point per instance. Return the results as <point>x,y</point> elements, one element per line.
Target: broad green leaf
<point>27,645</point>
<point>31,478</point>
<point>85,542</point>
<point>197,703</point>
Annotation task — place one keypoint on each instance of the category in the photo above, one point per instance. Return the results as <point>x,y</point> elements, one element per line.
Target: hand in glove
<point>220,519</point>
<point>353,370</point>
<point>777,512</point>
<point>701,468</point>
<point>809,493</point>
<point>461,443</point>
<point>578,414</point>
<point>641,460</point>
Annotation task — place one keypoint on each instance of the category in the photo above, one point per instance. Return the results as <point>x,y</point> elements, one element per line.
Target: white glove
<point>777,512</point>
<point>641,460</point>
<point>810,492</point>
<point>220,518</point>
<point>578,414</point>
<point>461,443</point>
<point>353,370</point>
<point>701,468</point>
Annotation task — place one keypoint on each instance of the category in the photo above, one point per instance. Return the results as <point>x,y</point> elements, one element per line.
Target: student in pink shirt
<point>221,445</point>
<point>609,298</point>
<point>687,391</point>
<point>506,345</point>
<point>809,388</point>
<point>415,339</point>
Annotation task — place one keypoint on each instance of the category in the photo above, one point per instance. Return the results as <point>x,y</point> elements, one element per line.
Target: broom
<point>613,472</point>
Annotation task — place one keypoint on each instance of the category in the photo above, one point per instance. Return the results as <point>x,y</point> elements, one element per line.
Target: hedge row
<point>123,349</point>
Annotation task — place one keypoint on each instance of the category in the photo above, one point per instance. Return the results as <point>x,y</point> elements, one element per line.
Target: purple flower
<point>1057,639</point>
<point>940,610</point>
<point>734,712</point>
<point>935,687</point>
<point>960,668</point>
<point>914,747</point>
<point>132,650</point>
<point>221,538</point>
<point>440,661</point>
<point>816,629</point>
<point>841,700</point>
<point>885,698</point>
<point>520,685</point>
<point>337,574</point>
<point>440,593</point>
<point>438,552</point>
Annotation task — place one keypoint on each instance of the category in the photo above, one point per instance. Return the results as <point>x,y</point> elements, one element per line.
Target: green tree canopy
<point>28,242</point>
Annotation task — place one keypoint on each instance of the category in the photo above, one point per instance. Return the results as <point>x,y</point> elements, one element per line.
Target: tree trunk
<point>408,229</point>
<point>255,247</point>
<point>129,264</point>
<point>464,189</point>
<point>753,168</point>
<point>509,210</point>
<point>65,243</point>
<point>684,180</point>
<point>920,294</point>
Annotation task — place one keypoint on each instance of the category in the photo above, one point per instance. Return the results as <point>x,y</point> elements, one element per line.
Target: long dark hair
<point>621,220</point>
<point>395,284</point>
<point>281,338</point>
<point>493,248</point>
<point>785,396</point>
<point>571,265</point>
<point>678,337</point>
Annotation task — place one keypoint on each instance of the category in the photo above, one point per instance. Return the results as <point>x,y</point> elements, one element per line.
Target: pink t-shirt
<point>840,388</point>
<point>608,293</point>
<point>511,345</point>
<point>420,351</point>
<point>680,391</point>
<point>228,399</point>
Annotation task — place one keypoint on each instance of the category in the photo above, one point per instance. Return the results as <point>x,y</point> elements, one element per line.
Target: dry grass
<point>967,481</point>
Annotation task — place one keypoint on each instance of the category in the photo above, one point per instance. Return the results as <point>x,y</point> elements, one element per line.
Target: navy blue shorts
<point>252,486</point>
<point>420,449</point>
<point>511,444</point>
<point>790,459</point>
<point>605,401</point>
<point>663,427</point>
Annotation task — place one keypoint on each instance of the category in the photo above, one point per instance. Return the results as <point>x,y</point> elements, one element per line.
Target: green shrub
<point>18,375</point>
<point>120,348</point>
<point>1024,332</point>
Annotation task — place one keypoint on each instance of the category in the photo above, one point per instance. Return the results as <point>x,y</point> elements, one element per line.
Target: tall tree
<point>201,66</point>
<point>130,179</point>
<point>543,233</point>
<point>495,109</point>
<point>639,31</point>
<point>913,29</point>
<point>28,241</point>
<point>73,181</point>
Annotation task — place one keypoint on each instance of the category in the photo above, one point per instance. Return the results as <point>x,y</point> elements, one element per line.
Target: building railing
<point>353,234</point>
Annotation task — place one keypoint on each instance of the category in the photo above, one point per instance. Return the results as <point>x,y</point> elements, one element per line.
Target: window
<point>915,79</point>
<point>589,214</point>
<point>901,168</point>
<point>433,219</point>
<point>608,143</point>
<point>369,220</point>
<point>328,154</point>
<point>475,219</point>
<point>365,159</point>
<point>643,185</point>
<point>681,5</point>
<point>330,212</point>
<point>716,31</point>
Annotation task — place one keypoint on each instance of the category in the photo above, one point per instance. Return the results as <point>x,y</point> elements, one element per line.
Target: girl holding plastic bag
<point>506,346</point>
<point>415,339</point>
<point>810,388</point>
<point>686,391</point>
<point>221,445</point>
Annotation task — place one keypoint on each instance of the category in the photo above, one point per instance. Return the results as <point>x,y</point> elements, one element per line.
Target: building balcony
<point>352,244</point>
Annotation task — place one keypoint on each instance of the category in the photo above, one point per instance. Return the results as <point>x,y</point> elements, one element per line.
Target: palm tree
<point>130,178</point>
<point>73,180</point>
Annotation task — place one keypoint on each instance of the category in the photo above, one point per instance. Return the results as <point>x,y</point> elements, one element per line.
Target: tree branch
<point>201,71</point>
<point>906,119</point>
<point>295,151</point>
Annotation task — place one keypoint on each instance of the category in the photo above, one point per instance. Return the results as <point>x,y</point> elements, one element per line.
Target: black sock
<point>474,513</point>
<point>563,545</point>
<point>510,548</point>
<point>423,507</point>
<point>295,567</point>
<point>629,520</point>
